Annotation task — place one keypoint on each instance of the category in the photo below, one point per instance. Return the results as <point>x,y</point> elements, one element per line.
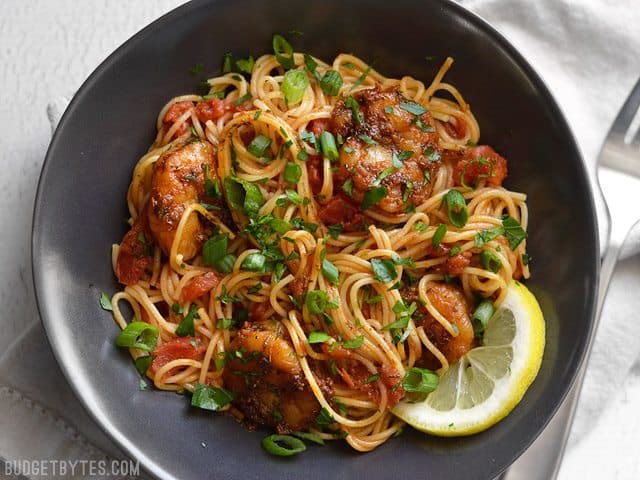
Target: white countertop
<point>47,48</point>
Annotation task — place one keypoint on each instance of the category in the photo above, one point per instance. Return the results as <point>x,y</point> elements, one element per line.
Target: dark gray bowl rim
<point>138,452</point>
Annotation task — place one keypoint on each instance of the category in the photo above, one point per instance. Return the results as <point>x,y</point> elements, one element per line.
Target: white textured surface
<point>47,48</point>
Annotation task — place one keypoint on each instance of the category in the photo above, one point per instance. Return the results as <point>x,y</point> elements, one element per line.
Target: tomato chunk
<point>393,381</point>
<point>318,125</point>
<point>455,128</point>
<point>174,112</point>
<point>134,255</point>
<point>478,163</point>
<point>211,109</point>
<point>338,210</point>
<point>316,175</point>
<point>184,347</point>
<point>199,286</point>
<point>455,265</point>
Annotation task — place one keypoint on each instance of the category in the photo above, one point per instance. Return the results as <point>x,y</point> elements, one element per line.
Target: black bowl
<point>80,211</point>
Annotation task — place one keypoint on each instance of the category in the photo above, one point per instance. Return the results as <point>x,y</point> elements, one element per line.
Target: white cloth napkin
<point>588,52</point>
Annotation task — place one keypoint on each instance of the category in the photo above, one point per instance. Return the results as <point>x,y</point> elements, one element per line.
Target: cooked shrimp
<point>267,379</point>
<point>388,143</point>
<point>178,181</point>
<point>478,164</point>
<point>449,300</point>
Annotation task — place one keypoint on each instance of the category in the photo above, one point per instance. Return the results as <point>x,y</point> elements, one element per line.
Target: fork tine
<point>635,141</point>
<point>628,111</point>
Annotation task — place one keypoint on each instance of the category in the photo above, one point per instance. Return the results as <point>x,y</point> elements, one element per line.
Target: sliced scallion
<point>490,261</point>
<point>254,262</point>
<point>139,335</point>
<point>456,208</point>
<point>328,145</point>
<point>105,302</point>
<point>292,172</point>
<point>283,445</point>
<point>420,380</point>
<point>259,146</point>
<point>283,51</point>
<point>481,316</point>
<point>311,437</point>
<point>331,83</point>
<point>143,363</point>
<point>441,231</point>
<point>226,263</point>
<point>294,84</point>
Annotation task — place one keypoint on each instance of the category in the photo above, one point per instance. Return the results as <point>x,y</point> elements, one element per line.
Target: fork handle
<point>543,458</point>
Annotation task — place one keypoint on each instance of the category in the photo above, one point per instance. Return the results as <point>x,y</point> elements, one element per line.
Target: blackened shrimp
<point>267,379</point>
<point>389,144</point>
<point>178,181</point>
<point>450,302</point>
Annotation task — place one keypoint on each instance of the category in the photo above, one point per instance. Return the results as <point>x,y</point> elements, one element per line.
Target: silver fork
<point>618,177</point>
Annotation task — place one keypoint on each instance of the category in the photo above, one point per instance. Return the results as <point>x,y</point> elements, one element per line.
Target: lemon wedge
<point>489,381</point>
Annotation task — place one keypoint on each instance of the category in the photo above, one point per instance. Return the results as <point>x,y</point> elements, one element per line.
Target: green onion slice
<point>481,316</point>
<point>331,83</point>
<point>226,263</point>
<point>420,380</point>
<point>283,445</point>
<point>227,63</point>
<point>139,335</point>
<point>259,146</point>
<point>311,437</point>
<point>439,235</point>
<point>245,65</point>
<point>328,145</point>
<point>143,363</point>
<point>292,172</point>
<point>105,302</point>
<point>254,262</point>
<point>283,51</point>
<point>490,261</point>
<point>294,83</point>
<point>456,208</point>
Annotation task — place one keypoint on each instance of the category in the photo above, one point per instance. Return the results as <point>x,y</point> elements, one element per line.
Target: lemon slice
<point>490,380</point>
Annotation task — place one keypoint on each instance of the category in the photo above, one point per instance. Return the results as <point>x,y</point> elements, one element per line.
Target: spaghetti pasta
<point>308,281</point>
